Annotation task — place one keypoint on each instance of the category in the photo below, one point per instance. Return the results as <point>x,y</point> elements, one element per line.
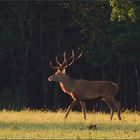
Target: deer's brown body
<point>84,89</point>
<point>81,90</point>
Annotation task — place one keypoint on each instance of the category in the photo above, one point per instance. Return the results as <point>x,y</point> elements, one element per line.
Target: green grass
<point>51,125</point>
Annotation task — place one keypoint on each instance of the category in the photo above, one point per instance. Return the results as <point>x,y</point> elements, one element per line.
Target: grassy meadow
<point>51,125</point>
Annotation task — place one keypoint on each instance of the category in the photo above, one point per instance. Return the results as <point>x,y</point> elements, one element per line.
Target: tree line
<point>33,33</point>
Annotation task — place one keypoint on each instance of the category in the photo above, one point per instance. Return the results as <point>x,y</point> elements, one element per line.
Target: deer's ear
<point>63,71</point>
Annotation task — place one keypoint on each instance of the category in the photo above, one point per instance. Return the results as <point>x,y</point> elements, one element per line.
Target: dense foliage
<point>33,33</point>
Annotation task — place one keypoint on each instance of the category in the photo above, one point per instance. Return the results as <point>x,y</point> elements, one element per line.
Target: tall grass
<point>51,125</point>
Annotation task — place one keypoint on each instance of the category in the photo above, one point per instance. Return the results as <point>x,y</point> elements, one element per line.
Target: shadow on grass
<point>68,126</point>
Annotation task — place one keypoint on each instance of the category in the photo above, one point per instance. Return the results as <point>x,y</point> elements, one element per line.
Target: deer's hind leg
<point>118,106</point>
<point>83,107</point>
<point>111,106</point>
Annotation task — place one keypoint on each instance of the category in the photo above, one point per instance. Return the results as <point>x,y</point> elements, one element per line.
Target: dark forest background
<point>33,33</point>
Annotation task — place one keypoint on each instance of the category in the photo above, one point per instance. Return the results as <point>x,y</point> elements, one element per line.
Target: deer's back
<point>94,89</point>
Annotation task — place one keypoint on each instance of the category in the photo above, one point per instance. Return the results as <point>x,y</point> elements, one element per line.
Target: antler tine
<point>79,55</point>
<point>64,55</point>
<point>53,67</point>
<point>64,61</point>
<point>58,62</point>
<point>72,56</point>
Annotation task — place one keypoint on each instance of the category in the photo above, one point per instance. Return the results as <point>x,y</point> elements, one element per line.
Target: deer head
<point>60,73</point>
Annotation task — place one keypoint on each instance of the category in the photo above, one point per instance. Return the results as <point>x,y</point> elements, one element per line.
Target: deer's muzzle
<point>50,79</point>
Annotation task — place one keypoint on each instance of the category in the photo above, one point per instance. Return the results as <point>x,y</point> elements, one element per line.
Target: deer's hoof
<point>119,118</point>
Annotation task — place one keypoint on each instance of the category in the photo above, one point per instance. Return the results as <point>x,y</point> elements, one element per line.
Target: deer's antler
<point>58,62</point>
<point>53,67</point>
<point>71,57</point>
<point>65,61</point>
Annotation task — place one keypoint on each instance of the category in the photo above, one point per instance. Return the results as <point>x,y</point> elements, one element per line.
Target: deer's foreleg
<point>70,107</point>
<point>83,107</point>
<point>111,106</point>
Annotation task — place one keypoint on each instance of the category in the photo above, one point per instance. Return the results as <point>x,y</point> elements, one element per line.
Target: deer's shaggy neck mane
<point>67,84</point>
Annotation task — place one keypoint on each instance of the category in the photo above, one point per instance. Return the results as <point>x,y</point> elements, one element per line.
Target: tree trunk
<point>138,87</point>
<point>56,95</point>
<point>42,62</point>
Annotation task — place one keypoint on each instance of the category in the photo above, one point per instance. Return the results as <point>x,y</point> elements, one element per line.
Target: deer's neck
<point>67,84</point>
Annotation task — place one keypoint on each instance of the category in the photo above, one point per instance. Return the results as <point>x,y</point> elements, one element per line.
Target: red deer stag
<point>82,90</point>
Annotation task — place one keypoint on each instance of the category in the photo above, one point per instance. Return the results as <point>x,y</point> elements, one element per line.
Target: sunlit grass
<point>51,125</point>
